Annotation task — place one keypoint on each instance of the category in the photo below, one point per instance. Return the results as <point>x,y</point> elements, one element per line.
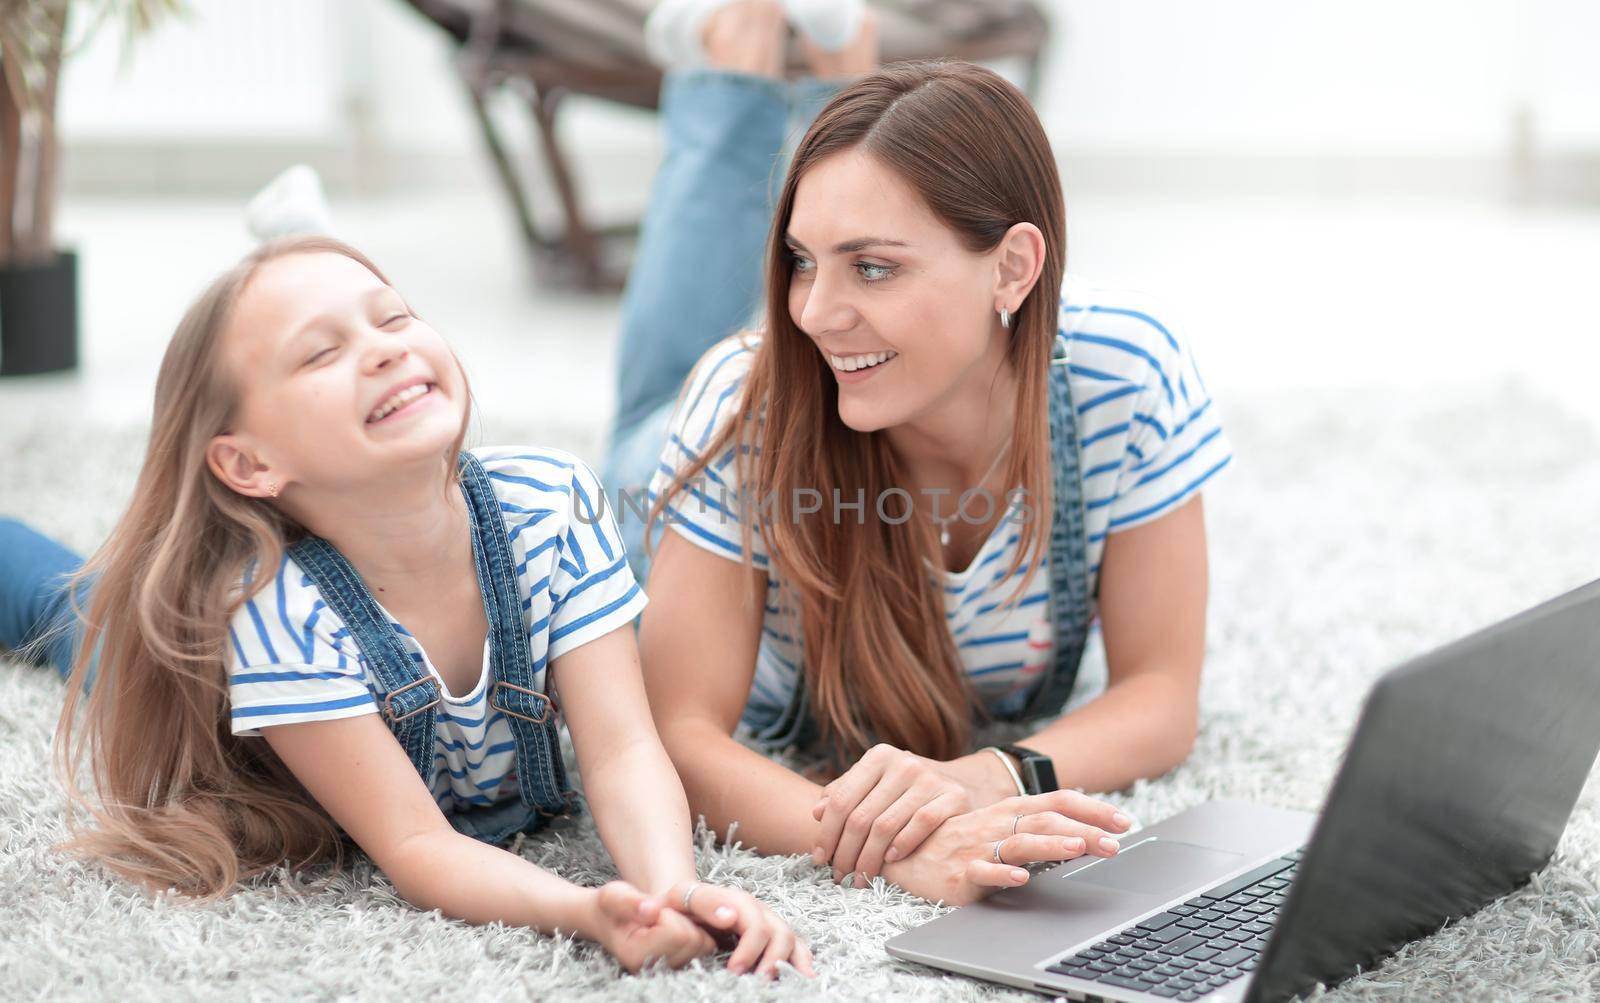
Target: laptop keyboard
<point>1194,948</point>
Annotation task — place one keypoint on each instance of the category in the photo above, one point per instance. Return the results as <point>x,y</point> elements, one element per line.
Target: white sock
<point>291,203</point>
<point>832,24</point>
<point>672,32</point>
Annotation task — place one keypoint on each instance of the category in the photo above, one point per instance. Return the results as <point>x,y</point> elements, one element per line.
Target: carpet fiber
<point>1355,529</point>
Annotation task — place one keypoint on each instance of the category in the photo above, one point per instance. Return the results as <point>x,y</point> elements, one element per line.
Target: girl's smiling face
<point>338,383</point>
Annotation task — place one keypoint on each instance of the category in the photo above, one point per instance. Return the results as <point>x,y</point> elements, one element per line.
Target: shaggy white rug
<point>1356,529</point>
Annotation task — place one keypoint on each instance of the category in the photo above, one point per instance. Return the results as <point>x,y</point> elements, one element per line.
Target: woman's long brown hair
<point>180,801</point>
<point>880,663</point>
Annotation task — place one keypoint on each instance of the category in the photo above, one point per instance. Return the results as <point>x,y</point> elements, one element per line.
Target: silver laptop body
<point>1455,788</point>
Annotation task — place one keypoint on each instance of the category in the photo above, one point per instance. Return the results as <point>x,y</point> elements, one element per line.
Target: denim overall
<point>408,694</point>
<point>1069,580</point>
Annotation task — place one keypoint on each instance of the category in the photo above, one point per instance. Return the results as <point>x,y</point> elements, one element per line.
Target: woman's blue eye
<point>873,273</point>
<point>802,264</point>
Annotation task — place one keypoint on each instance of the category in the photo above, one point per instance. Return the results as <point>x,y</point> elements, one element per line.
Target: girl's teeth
<point>399,401</point>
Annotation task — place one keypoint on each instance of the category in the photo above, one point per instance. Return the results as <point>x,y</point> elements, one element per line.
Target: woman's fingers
<point>873,817</point>
<point>921,825</point>
<point>1028,848</point>
<point>843,796</point>
<point>1073,804</point>
<point>989,874</point>
<point>1049,823</point>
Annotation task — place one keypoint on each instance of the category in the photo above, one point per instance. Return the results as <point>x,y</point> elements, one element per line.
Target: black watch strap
<point>1038,770</point>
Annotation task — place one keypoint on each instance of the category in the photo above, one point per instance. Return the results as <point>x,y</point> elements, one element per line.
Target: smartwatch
<point>1037,769</point>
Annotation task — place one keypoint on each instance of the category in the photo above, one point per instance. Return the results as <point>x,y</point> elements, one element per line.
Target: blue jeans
<point>697,276</point>
<point>33,596</point>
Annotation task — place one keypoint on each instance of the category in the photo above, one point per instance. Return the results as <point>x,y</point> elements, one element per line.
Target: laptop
<point>1463,770</point>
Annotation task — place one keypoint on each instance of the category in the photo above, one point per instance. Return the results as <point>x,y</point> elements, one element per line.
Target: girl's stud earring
<point>272,488</point>
<point>1005,318</point>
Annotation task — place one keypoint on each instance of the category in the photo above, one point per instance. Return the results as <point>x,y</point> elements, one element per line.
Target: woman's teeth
<point>850,363</point>
<point>398,401</point>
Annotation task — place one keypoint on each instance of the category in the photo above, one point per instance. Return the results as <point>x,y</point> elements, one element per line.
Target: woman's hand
<point>764,939</point>
<point>884,806</point>
<point>958,865</point>
<point>637,928</point>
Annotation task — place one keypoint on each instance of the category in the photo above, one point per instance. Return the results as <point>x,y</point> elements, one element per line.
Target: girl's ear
<point>1019,262</point>
<point>236,465</point>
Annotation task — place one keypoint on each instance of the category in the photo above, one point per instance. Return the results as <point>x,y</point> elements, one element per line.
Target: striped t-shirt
<point>1150,437</point>
<point>292,659</point>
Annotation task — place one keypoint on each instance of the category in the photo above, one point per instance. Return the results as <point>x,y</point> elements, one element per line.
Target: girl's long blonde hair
<point>180,801</point>
<point>880,663</point>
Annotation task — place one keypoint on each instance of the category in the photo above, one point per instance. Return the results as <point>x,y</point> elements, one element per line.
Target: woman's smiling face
<point>337,380</point>
<point>902,312</point>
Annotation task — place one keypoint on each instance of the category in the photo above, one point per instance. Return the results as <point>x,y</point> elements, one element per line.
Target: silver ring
<point>688,893</point>
<point>997,850</point>
<point>1015,819</point>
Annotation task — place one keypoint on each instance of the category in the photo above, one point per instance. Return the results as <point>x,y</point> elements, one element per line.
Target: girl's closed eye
<point>320,355</point>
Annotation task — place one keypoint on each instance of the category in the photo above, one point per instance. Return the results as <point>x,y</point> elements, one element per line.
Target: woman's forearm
<point>642,815</point>
<point>1141,726</point>
<point>734,786</point>
<point>470,880</point>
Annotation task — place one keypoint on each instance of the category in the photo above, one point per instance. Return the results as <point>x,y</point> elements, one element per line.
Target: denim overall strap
<point>1069,547</point>
<point>531,714</point>
<point>408,696</point>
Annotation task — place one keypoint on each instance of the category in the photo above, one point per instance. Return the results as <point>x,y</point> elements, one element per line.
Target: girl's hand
<point>957,863</point>
<point>884,806</point>
<point>637,928</point>
<point>763,938</point>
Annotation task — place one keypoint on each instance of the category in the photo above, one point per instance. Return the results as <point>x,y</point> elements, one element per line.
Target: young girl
<point>284,637</point>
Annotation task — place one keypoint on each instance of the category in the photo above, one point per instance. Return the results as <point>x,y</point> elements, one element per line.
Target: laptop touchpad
<point>1157,867</point>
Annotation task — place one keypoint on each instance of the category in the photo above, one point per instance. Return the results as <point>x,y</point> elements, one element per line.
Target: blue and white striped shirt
<point>1150,437</point>
<point>292,659</point>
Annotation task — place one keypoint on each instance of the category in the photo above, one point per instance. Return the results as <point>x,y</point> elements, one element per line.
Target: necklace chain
<point>943,522</point>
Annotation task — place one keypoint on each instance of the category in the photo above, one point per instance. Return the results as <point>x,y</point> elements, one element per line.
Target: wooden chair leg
<point>510,180</point>
<point>580,240</point>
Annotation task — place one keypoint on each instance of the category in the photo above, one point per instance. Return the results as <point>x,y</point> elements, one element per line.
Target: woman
<point>919,344</point>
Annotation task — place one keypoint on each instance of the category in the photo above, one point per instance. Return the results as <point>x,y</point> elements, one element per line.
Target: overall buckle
<point>388,701</point>
<point>544,715</point>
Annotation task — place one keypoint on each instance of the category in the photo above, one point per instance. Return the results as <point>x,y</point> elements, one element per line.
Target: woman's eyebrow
<point>850,246</point>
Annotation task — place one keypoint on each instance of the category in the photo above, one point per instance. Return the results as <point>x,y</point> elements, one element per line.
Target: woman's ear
<point>236,465</point>
<point>1018,263</point>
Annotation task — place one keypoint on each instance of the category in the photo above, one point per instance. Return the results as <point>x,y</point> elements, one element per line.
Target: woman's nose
<point>827,308</point>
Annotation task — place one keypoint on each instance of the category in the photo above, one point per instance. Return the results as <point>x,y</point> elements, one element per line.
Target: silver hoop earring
<point>1005,318</point>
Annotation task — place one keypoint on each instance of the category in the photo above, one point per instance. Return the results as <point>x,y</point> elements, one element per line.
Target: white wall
<point>1148,78</point>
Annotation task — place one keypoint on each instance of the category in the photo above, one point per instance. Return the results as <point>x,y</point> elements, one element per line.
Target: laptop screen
<point>1461,776</point>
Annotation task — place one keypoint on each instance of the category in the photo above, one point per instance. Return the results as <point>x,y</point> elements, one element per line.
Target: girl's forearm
<point>734,786</point>
<point>470,880</point>
<point>642,815</point>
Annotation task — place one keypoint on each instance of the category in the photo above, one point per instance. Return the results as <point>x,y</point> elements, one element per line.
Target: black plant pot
<point>39,316</point>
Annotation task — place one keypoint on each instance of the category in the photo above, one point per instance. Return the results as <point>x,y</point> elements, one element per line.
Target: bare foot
<point>746,36</point>
<point>857,59</point>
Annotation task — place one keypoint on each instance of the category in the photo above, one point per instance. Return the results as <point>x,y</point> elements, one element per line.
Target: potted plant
<point>38,280</point>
